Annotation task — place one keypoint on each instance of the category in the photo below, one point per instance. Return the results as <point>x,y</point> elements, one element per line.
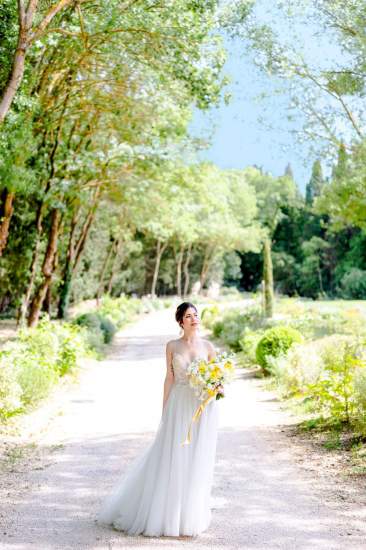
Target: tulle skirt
<point>166,491</point>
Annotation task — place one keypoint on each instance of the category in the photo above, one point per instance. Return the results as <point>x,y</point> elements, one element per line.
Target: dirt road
<point>262,499</point>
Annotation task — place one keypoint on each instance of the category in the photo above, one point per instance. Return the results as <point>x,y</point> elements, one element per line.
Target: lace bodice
<point>180,365</point>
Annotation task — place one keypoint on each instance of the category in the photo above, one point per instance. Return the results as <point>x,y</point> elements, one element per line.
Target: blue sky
<point>237,136</point>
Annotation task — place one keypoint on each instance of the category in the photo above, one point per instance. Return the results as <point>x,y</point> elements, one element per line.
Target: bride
<point>166,491</point>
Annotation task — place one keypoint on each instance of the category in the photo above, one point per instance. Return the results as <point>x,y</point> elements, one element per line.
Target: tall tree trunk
<point>179,270</point>
<point>64,292</point>
<point>207,259</point>
<point>17,70</point>
<point>268,278</point>
<point>25,38</point>
<point>33,267</point>
<point>47,269</point>
<point>101,285</point>
<point>160,248</point>
<point>48,300</point>
<point>114,265</point>
<point>6,213</point>
<point>186,271</point>
<point>320,280</point>
<point>74,252</point>
<point>65,286</point>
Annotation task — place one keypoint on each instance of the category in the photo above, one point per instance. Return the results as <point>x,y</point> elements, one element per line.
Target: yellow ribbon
<point>196,416</point>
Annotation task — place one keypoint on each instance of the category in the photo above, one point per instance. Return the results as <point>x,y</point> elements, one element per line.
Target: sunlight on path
<point>261,500</point>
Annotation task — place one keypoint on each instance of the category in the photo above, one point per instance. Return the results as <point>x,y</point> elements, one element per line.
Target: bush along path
<point>35,360</point>
<point>262,498</point>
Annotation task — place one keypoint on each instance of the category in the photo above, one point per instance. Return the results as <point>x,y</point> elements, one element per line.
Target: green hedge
<point>33,363</point>
<point>100,330</point>
<point>274,342</point>
<point>328,374</point>
<point>316,353</point>
<point>230,326</point>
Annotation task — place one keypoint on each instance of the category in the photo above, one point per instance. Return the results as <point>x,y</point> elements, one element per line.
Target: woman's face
<point>191,319</point>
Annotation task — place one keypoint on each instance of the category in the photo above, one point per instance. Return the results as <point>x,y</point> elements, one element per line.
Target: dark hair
<point>181,309</point>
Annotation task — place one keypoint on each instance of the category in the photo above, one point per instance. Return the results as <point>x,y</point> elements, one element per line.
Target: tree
<point>28,33</point>
<point>267,278</point>
<point>344,198</point>
<point>315,184</point>
<point>226,200</point>
<point>273,194</point>
<point>79,81</point>
<point>106,101</point>
<point>325,95</point>
<point>311,271</point>
<point>340,168</point>
<point>289,172</point>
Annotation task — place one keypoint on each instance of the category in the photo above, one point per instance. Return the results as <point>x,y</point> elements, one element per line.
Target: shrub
<point>353,284</point>
<point>314,325</point>
<point>274,342</point>
<point>334,389</point>
<point>359,384</point>
<point>360,388</point>
<point>217,328</point>
<point>329,373</point>
<point>302,365</point>
<point>248,342</point>
<point>35,377</point>
<point>41,342</point>
<point>119,310</point>
<point>73,345</point>
<point>10,390</point>
<point>232,323</point>
<point>231,330</point>
<point>231,291</point>
<point>89,320</point>
<point>100,329</point>
<point>209,316</point>
<point>108,329</point>
<point>95,335</point>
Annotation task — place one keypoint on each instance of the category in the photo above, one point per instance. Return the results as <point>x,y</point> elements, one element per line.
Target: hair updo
<point>181,309</point>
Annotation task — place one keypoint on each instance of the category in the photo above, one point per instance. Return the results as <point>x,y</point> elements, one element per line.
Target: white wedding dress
<point>166,491</point>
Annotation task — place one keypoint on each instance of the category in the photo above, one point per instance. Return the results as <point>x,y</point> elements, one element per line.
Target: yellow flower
<point>215,374</point>
<point>228,365</point>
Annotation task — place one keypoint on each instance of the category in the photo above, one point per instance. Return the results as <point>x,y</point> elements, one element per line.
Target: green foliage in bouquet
<point>274,342</point>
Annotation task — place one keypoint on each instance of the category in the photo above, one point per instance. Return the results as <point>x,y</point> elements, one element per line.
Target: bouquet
<point>207,378</point>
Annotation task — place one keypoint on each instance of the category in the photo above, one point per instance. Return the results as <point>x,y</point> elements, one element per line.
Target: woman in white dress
<point>166,491</point>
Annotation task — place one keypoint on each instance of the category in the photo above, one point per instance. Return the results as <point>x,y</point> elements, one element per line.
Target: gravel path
<point>262,499</point>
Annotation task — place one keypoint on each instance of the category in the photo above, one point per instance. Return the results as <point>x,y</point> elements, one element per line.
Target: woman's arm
<point>169,377</point>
